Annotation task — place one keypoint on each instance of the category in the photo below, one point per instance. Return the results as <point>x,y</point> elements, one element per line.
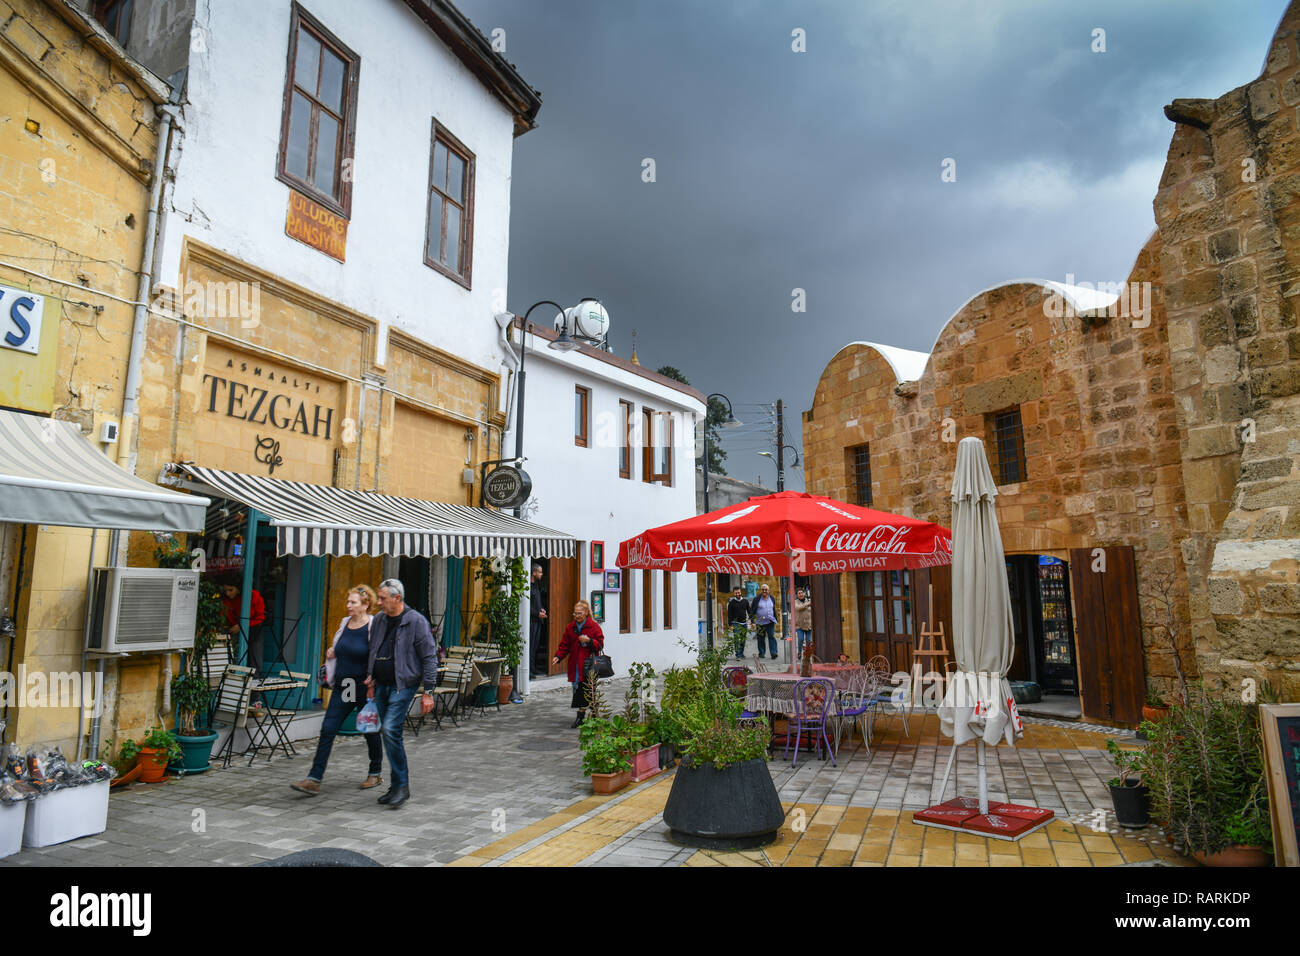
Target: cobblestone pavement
<point>506,788</point>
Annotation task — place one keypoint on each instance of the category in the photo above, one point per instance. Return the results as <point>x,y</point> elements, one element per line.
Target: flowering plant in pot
<point>504,581</point>
<point>1205,772</point>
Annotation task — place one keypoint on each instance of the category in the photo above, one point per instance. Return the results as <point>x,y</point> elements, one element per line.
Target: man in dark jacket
<point>402,655</point>
<point>738,621</point>
<point>537,626</point>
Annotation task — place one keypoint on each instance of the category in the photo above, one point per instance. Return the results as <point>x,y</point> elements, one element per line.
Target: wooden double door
<point>563,591</point>
<point>893,605</point>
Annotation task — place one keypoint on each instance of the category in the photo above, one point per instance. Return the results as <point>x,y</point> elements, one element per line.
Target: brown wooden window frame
<point>120,28</point>
<point>582,434</point>
<point>668,599</point>
<point>1006,432</point>
<point>664,477</point>
<point>625,602</point>
<point>647,600</point>
<point>342,203</point>
<point>442,135</point>
<point>625,452</point>
<point>647,445</point>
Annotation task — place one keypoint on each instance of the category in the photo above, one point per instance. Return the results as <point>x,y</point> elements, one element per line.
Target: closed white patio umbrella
<point>978,703</point>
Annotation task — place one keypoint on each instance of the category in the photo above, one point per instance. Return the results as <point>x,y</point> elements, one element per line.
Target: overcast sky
<point>777,170</point>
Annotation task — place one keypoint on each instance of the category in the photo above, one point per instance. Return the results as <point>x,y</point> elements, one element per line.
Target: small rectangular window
<point>625,602</point>
<point>663,448</point>
<point>318,118</point>
<point>625,449</point>
<point>647,601</point>
<point>860,475</point>
<point>647,445</point>
<point>668,600</point>
<point>581,415</point>
<point>449,228</point>
<point>1008,446</point>
<point>115,16</point>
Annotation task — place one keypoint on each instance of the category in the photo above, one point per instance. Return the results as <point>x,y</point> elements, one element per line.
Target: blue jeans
<point>335,714</point>
<point>804,637</point>
<point>768,631</point>
<point>739,634</point>
<point>393,703</point>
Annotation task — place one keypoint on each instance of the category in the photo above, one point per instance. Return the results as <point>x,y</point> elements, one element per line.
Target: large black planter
<point>736,808</point>
<point>1130,804</point>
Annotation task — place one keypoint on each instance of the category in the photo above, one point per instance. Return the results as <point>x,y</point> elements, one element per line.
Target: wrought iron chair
<point>814,699</point>
<point>231,702</point>
<point>854,705</point>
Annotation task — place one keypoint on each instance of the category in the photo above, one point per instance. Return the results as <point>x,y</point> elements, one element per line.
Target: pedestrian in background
<point>402,656</point>
<point>738,621</point>
<point>350,652</point>
<point>803,618</point>
<point>763,609</point>
<point>582,638</point>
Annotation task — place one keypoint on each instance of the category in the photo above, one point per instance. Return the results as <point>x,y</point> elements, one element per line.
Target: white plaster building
<point>585,418</point>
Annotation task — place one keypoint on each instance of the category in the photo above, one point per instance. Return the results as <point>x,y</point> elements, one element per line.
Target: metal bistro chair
<point>814,697</point>
<point>854,706</point>
<point>231,702</point>
<point>271,731</point>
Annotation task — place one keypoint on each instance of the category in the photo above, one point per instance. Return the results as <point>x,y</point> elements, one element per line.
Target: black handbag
<point>600,663</point>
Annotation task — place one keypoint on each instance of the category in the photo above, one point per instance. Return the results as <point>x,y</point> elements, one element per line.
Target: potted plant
<point>641,713</point>
<point>191,691</point>
<point>504,581</point>
<point>125,759</point>
<point>1128,795</point>
<point>604,755</point>
<point>1154,709</point>
<point>722,795</point>
<point>158,748</point>
<point>1204,769</point>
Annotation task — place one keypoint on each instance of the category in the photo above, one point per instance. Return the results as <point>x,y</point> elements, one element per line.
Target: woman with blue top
<point>350,654</point>
<point>764,614</point>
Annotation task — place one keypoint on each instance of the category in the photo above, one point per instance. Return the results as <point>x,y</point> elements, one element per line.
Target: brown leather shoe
<point>309,787</point>
<point>373,780</point>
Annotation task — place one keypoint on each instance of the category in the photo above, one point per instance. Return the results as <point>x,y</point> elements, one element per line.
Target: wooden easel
<point>929,645</point>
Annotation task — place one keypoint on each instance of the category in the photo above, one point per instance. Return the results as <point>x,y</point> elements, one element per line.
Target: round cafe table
<point>773,692</point>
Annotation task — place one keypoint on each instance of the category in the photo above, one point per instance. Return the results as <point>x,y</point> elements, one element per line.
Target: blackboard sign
<point>1281,724</point>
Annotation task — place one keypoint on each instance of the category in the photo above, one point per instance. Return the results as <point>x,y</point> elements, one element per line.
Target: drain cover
<point>543,744</point>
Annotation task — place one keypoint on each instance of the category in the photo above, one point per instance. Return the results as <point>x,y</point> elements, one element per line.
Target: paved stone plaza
<point>506,788</point>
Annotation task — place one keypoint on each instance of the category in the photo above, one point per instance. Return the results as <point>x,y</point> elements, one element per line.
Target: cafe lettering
<point>264,406</point>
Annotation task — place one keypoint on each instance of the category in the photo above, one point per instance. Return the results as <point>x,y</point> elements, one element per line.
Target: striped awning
<point>320,520</point>
<point>50,474</point>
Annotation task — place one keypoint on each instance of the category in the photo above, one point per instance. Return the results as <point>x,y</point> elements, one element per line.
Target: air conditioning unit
<point>144,609</point>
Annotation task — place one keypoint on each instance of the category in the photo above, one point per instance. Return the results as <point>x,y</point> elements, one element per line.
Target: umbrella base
<point>1004,821</point>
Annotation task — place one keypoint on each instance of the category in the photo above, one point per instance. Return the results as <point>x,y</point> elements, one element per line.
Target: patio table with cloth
<point>773,693</point>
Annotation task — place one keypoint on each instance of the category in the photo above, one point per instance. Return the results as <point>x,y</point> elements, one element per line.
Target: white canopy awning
<point>50,474</point>
<point>322,520</point>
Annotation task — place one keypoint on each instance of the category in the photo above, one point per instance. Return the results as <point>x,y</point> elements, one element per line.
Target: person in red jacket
<point>582,638</point>
<point>232,603</point>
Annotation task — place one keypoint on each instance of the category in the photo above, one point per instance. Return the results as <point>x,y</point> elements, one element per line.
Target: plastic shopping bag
<point>368,719</point>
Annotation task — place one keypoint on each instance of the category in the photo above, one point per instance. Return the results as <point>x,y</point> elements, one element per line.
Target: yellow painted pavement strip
<point>831,835</point>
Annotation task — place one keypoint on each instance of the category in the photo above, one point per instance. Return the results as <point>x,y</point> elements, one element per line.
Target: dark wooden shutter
<point>828,632</point>
<point>1108,635</point>
<point>561,598</point>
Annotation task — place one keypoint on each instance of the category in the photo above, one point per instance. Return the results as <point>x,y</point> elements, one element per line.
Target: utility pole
<point>780,446</point>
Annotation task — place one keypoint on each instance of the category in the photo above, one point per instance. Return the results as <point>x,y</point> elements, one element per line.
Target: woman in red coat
<point>582,638</point>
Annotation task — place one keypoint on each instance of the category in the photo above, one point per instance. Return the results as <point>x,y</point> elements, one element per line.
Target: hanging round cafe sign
<point>507,487</point>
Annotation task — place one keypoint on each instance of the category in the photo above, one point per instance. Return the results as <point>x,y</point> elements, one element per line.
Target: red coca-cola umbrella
<point>787,533</point>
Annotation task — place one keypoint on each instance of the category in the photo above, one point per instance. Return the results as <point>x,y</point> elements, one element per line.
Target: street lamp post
<point>780,465</point>
<point>731,422</point>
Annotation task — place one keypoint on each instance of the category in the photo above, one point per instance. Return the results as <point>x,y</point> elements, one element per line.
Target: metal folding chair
<point>233,693</point>
<point>271,730</point>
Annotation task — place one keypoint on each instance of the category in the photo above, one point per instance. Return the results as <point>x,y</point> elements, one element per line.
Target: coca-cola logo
<point>882,539</point>
<point>725,564</point>
<point>639,556</point>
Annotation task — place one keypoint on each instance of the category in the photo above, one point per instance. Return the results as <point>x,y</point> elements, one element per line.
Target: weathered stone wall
<point>1228,211</point>
<point>78,144</point>
<point>1101,433</point>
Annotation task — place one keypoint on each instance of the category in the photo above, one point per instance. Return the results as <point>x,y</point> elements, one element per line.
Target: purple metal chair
<point>814,698</point>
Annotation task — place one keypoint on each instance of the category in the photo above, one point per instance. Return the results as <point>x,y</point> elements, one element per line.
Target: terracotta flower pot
<point>153,765</point>
<point>610,782</point>
<point>505,688</point>
<point>1238,855</point>
<point>1154,714</point>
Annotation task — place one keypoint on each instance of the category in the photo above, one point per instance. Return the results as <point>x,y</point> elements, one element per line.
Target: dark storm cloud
<point>820,170</point>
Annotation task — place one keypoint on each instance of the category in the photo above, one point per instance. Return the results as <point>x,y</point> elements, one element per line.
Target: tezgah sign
<point>507,487</point>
